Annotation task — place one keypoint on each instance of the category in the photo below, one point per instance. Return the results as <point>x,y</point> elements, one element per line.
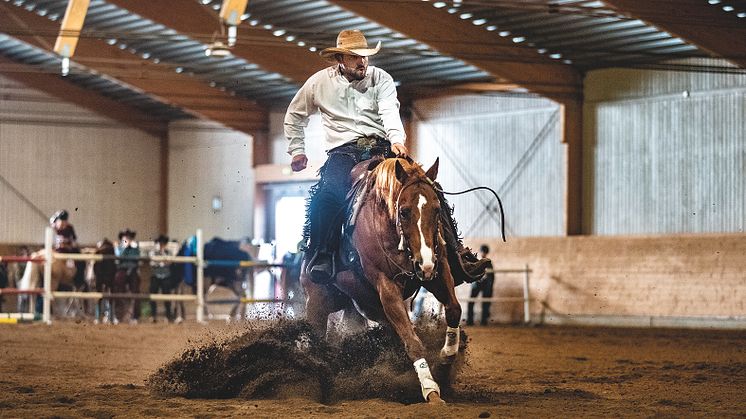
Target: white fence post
<point>47,310</point>
<point>526,297</point>
<point>200,278</point>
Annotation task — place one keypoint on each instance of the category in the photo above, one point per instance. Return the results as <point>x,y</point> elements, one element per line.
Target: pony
<point>63,277</point>
<point>397,237</point>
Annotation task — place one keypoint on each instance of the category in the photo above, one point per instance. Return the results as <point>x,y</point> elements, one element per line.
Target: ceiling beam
<point>159,81</point>
<point>706,26</point>
<point>55,85</point>
<point>256,45</point>
<point>506,61</point>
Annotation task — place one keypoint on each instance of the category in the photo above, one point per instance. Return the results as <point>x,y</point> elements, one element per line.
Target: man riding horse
<point>360,114</point>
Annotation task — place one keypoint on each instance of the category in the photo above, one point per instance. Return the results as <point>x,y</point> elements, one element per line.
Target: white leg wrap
<point>427,382</point>
<point>453,336</point>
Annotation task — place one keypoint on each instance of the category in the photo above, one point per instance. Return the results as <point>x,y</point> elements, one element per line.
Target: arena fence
<point>49,295</point>
<point>526,299</point>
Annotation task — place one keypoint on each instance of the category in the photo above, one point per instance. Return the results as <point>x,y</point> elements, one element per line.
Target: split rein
<point>476,188</point>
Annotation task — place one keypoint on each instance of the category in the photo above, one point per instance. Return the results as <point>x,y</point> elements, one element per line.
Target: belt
<point>364,148</point>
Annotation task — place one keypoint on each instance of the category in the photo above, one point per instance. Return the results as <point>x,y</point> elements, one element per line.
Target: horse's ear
<point>432,172</point>
<point>401,173</point>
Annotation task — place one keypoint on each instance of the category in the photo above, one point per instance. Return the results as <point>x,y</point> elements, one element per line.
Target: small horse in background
<point>399,243</point>
<point>231,277</point>
<point>104,271</point>
<point>63,277</point>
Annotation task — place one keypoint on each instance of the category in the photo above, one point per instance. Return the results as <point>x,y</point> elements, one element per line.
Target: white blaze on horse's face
<point>427,254</point>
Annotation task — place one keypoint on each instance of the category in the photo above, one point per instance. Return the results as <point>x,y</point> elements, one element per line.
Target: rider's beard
<point>358,73</point>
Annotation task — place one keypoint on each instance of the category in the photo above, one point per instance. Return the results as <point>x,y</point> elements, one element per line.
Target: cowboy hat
<point>127,233</point>
<point>162,239</point>
<point>351,42</point>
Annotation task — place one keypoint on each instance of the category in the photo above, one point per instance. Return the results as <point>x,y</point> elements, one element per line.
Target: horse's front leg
<point>396,313</point>
<point>444,291</point>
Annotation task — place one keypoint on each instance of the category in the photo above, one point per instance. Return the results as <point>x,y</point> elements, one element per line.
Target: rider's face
<point>353,67</point>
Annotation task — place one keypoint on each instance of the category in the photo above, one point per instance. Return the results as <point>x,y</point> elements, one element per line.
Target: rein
<point>499,202</point>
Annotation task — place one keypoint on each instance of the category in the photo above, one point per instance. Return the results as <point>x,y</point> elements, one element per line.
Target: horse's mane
<point>386,186</point>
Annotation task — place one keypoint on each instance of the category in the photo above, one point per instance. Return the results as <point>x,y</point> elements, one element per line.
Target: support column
<point>572,139</point>
<point>163,214</point>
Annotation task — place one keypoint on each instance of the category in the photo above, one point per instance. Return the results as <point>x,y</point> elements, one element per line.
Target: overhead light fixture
<point>218,49</point>
<point>65,66</point>
<point>232,35</point>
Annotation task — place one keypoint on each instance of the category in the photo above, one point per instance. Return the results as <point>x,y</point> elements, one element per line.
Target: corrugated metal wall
<point>665,152</point>
<point>510,144</point>
<point>56,155</point>
<point>206,161</point>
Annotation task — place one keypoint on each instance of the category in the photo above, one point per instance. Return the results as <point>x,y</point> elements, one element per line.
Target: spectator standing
<point>161,280</point>
<point>484,287</point>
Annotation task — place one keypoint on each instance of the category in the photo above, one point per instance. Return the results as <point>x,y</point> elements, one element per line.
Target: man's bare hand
<point>400,150</point>
<point>299,162</point>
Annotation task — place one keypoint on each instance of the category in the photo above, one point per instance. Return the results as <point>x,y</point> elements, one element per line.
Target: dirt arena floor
<point>86,370</point>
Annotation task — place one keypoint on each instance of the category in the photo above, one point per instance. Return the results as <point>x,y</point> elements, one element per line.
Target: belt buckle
<point>366,143</point>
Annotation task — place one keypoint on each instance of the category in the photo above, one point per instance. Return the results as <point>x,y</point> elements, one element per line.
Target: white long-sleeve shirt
<point>349,110</point>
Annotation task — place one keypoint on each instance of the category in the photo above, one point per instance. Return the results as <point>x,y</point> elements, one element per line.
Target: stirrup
<point>323,273</point>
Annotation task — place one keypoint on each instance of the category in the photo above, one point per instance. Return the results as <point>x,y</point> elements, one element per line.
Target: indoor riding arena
<point>562,235</point>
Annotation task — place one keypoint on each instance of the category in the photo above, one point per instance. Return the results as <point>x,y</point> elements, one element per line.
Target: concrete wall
<point>624,279</point>
<point>206,161</point>
<point>55,155</point>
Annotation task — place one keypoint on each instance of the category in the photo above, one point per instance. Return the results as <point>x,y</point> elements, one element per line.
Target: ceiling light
<point>713,1</point>
<point>439,4</point>
<point>555,56</point>
<point>728,8</point>
<point>301,44</point>
<point>741,14</point>
<point>312,49</point>
<point>504,33</point>
<point>491,28</point>
<point>218,49</point>
<point>179,69</point>
<point>279,32</point>
<point>519,39</point>
<point>542,50</point>
<point>479,22</point>
<point>465,15</point>
<point>290,38</point>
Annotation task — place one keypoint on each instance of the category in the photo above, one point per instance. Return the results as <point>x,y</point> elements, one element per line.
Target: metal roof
<point>45,62</point>
<point>585,34</point>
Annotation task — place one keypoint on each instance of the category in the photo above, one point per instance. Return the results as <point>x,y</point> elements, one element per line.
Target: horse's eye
<point>405,212</point>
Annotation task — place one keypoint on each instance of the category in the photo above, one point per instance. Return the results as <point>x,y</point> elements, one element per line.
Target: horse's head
<point>417,216</point>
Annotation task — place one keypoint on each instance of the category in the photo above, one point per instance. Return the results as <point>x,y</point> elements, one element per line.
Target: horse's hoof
<point>434,398</point>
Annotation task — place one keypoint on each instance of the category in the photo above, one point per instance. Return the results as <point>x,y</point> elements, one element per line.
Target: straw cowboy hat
<point>351,42</point>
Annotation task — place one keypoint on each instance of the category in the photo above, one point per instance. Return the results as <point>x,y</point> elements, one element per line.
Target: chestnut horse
<point>399,239</point>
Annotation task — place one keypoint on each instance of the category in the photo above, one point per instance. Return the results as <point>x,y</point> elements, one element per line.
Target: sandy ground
<point>86,370</point>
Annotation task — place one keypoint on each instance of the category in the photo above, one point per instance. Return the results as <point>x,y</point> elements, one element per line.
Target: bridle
<point>403,242</point>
